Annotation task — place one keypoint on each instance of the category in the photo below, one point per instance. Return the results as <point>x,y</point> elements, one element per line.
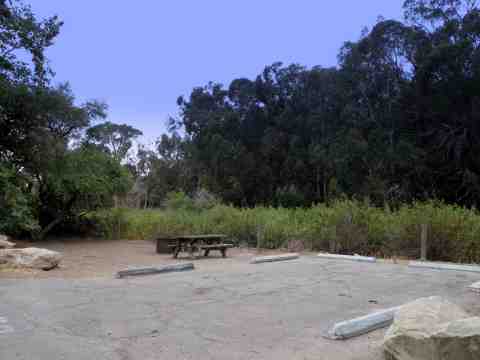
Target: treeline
<point>396,120</point>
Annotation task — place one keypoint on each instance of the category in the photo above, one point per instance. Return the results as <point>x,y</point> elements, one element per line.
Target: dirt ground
<point>95,258</point>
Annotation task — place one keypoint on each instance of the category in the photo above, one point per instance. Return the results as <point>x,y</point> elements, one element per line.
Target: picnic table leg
<point>207,251</point>
<point>177,250</point>
<point>224,253</point>
<point>191,250</point>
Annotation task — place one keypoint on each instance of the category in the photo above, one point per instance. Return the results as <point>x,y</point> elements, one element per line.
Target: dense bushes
<point>16,212</point>
<point>350,226</point>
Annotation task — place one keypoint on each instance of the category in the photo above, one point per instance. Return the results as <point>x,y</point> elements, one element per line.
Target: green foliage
<point>355,227</point>
<point>16,216</point>
<point>115,139</point>
<point>80,180</point>
<point>386,124</point>
<point>40,125</point>
<point>87,174</point>
<point>178,201</point>
<point>20,30</point>
<point>289,198</point>
<point>201,200</point>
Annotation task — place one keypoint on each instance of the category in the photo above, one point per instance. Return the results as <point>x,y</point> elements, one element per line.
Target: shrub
<point>178,200</point>
<point>16,205</point>
<point>349,226</point>
<point>204,200</point>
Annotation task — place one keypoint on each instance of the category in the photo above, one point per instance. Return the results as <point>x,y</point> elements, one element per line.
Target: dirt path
<point>92,258</point>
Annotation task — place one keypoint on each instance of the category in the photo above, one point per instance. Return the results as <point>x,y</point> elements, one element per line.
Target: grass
<point>349,226</point>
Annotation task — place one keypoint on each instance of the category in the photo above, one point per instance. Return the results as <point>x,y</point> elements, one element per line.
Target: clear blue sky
<point>139,56</point>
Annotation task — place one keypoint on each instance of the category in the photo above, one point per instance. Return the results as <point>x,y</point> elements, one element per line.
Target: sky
<point>139,56</point>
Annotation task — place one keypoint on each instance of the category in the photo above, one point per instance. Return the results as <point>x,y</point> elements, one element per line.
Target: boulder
<point>31,258</point>
<point>433,329</point>
<point>5,244</point>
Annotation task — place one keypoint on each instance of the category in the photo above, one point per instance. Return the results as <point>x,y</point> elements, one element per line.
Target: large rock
<point>5,244</point>
<point>433,329</point>
<point>32,258</point>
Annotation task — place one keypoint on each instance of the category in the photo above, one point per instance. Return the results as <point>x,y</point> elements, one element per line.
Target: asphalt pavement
<point>238,311</point>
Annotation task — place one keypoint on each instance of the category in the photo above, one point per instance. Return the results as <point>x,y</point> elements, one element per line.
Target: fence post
<point>259,234</point>
<point>424,242</point>
<point>333,241</point>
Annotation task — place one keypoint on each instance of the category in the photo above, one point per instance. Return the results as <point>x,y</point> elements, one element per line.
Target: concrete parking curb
<point>274,258</point>
<point>444,266</point>
<point>362,325</point>
<point>475,287</point>
<point>348,257</point>
<point>155,270</point>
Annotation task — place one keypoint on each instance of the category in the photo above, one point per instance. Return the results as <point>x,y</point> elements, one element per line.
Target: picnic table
<point>196,243</point>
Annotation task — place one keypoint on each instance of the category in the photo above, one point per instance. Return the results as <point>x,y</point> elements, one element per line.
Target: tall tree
<point>397,119</point>
<point>115,139</point>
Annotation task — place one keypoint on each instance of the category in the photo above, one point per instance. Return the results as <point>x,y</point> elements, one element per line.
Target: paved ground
<point>234,311</point>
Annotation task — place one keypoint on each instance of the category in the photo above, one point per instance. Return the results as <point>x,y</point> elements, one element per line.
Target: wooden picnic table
<point>197,243</point>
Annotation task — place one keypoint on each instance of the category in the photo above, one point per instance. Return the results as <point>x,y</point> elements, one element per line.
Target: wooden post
<point>423,242</point>
<point>333,241</point>
<point>259,236</point>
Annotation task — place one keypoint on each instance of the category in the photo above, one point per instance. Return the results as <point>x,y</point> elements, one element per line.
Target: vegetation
<point>396,120</point>
<point>46,178</point>
<point>353,226</point>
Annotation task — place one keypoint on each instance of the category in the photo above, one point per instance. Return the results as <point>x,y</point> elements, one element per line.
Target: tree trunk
<point>44,232</point>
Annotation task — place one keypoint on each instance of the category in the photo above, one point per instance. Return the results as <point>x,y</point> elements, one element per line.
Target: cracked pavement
<point>233,311</point>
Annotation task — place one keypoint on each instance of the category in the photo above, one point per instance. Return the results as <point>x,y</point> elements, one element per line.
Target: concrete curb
<point>155,270</point>
<point>348,257</point>
<point>475,287</point>
<point>362,325</point>
<point>274,258</point>
<point>444,266</point>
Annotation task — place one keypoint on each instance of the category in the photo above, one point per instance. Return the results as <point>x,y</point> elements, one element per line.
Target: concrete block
<point>475,287</point>
<point>362,325</point>
<point>274,258</point>
<point>444,266</point>
<point>348,257</point>
<point>155,270</point>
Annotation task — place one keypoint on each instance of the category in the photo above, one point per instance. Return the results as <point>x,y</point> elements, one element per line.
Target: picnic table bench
<point>196,243</point>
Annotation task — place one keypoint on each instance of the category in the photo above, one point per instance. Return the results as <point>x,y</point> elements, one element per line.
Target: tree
<point>44,179</point>
<point>397,119</point>
<point>21,31</point>
<point>81,180</point>
<point>163,170</point>
<point>115,139</point>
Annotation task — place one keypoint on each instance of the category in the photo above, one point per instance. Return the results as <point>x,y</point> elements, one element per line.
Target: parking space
<point>233,311</point>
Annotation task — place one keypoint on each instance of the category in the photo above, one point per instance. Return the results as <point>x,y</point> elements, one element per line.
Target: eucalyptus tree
<point>114,139</point>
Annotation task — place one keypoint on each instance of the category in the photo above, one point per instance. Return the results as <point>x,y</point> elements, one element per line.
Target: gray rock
<point>31,258</point>
<point>433,329</point>
<point>5,244</point>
